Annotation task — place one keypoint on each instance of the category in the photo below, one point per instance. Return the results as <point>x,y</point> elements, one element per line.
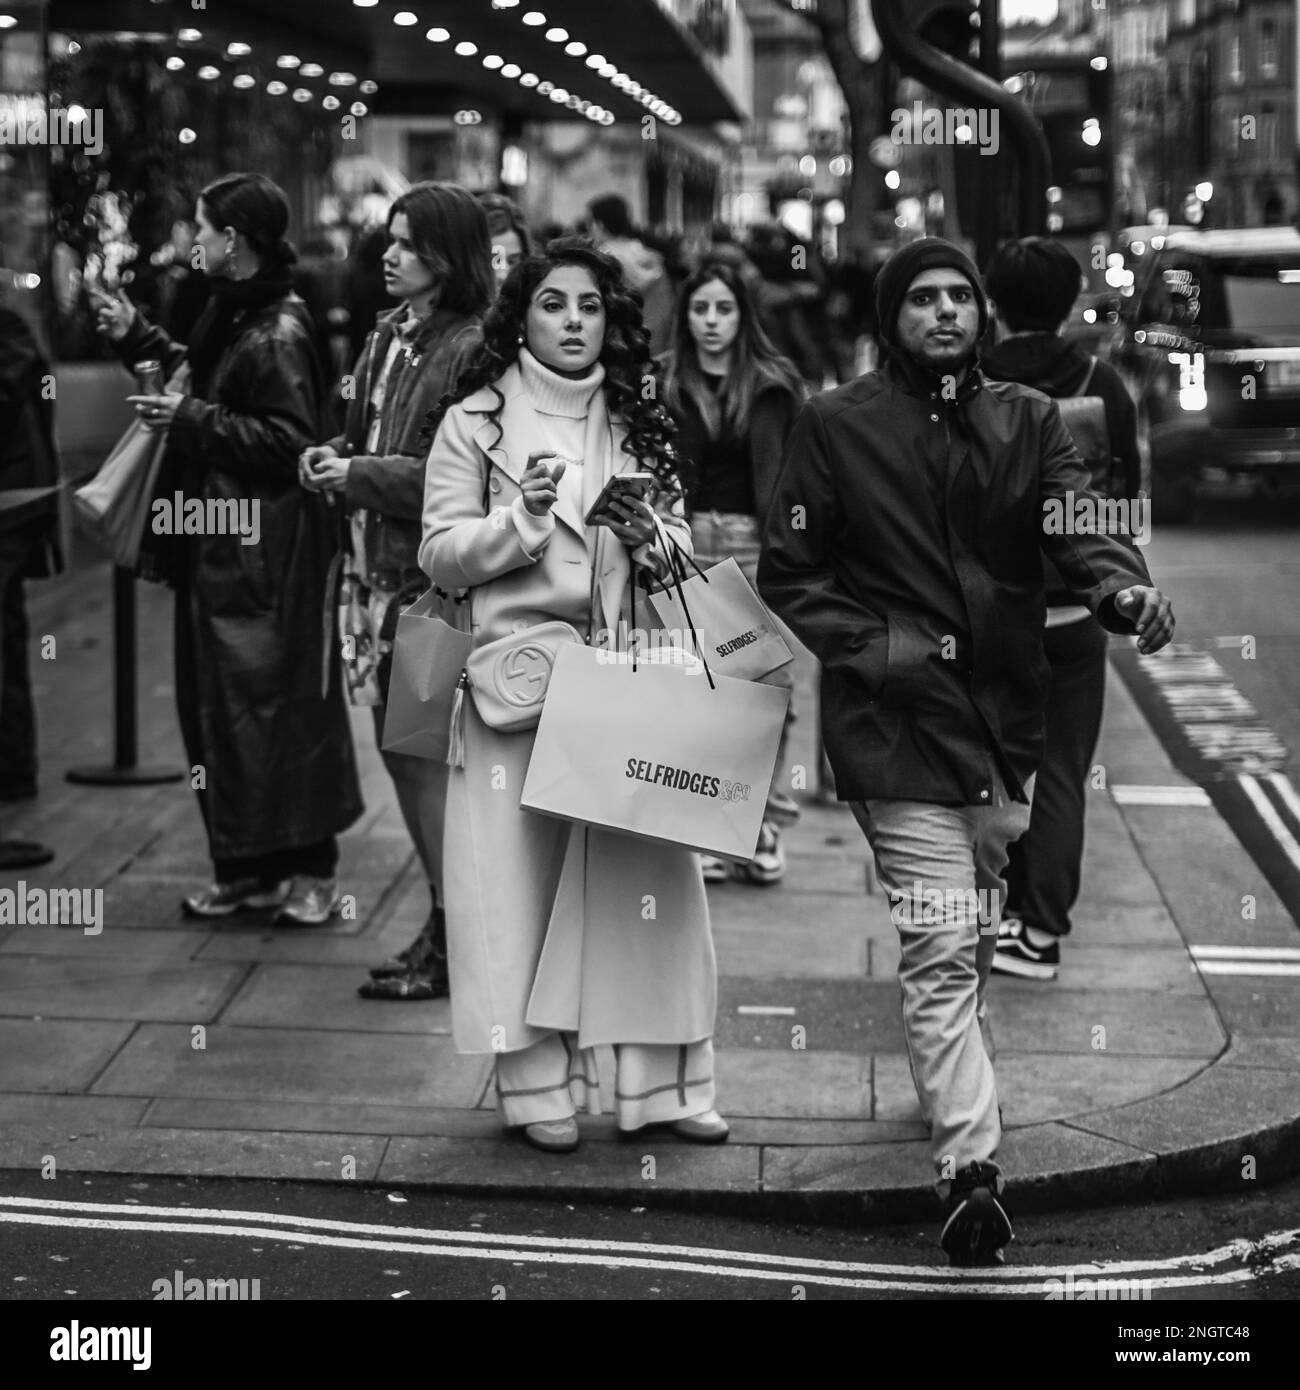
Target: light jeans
<point>937,863</point>
<point>715,536</point>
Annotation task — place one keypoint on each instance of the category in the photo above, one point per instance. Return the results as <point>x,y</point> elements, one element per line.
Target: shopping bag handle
<point>670,544</point>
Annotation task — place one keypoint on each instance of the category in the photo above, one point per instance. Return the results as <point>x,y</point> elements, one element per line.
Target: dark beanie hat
<point>898,272</point>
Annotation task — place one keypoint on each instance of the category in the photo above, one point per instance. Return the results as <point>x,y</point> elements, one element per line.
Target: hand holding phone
<point>622,487</point>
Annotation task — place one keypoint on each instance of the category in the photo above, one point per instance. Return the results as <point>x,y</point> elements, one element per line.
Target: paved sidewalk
<point>159,1046</point>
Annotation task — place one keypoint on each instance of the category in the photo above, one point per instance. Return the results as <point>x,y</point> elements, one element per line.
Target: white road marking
<point>1285,792</point>
<point>1268,1255</point>
<point>1224,967</point>
<point>1159,796</point>
<point>782,1010</point>
<point>1276,825</point>
<point>1245,952</point>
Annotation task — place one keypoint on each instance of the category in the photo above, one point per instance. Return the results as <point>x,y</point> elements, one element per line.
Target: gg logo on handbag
<point>508,678</point>
<point>522,674</point>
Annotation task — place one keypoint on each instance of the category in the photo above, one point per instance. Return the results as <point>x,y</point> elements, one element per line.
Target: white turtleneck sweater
<point>561,404</point>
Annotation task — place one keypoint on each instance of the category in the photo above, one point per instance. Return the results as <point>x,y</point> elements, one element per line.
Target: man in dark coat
<point>904,547</point>
<point>29,502</point>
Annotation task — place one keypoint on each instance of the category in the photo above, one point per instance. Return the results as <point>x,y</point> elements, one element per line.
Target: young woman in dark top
<point>734,398</point>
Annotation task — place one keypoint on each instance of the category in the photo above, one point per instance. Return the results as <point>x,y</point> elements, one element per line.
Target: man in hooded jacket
<point>904,547</point>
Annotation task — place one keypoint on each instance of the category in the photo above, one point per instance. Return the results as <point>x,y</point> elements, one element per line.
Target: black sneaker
<point>978,1223</point>
<point>1015,956</point>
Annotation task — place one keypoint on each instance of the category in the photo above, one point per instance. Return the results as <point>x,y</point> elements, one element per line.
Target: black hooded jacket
<point>904,546</point>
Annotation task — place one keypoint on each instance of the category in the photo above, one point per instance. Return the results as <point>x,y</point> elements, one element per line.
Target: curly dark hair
<point>625,354</point>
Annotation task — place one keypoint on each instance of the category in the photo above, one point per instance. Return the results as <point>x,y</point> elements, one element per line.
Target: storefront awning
<point>652,64</point>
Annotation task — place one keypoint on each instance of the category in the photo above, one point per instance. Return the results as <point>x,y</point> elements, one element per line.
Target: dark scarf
<point>162,558</point>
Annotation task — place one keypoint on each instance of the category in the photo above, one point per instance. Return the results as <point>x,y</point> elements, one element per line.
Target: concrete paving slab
<point>1206,898</point>
<point>1123,924</point>
<point>1211,1124</point>
<point>325,996</point>
<point>174,945</point>
<point>295,1064</point>
<point>67,1116</point>
<point>821,1167</point>
<point>1258,1006</point>
<point>1049,1166</point>
<point>1136,1023</point>
<point>288,946</point>
<point>1273,1053</point>
<point>747,1130</point>
<point>1167,969</point>
<point>140,901</point>
<point>816,1085</point>
<point>120,986</point>
<point>835,1015</point>
<point>746,950</point>
<point>216,1153</point>
<point>321,1118</point>
<point>798,917</point>
<point>1050,1086</point>
<point>509,1164</point>
<point>56,1055</point>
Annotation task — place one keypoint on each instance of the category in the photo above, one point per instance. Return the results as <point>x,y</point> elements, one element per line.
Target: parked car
<point>1209,345</point>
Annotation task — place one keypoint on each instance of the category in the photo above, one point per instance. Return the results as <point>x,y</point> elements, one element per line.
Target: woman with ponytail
<point>248,553</point>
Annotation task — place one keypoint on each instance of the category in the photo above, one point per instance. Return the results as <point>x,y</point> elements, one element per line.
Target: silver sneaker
<point>311,901</point>
<point>224,899</point>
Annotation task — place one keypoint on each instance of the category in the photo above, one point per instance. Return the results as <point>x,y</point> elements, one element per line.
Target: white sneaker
<point>768,864</point>
<point>714,869</point>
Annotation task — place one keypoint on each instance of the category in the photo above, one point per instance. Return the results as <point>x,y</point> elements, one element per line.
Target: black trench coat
<point>266,717</point>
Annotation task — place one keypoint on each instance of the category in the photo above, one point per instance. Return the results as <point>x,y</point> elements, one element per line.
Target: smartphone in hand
<point>621,486</point>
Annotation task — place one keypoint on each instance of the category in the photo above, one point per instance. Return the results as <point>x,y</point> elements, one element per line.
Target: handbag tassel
<point>456,727</point>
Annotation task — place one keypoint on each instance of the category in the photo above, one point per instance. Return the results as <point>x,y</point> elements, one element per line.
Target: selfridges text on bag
<point>736,633</point>
<point>660,749</point>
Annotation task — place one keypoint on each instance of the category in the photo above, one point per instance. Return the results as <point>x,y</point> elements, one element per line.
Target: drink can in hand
<point>149,375</point>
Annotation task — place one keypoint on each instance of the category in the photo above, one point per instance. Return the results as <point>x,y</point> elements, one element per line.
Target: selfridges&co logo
<point>686,779</point>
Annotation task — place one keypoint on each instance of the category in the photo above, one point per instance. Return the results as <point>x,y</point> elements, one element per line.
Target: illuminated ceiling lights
<point>175,64</point>
<point>189,36</point>
<point>597,63</point>
<point>238,50</point>
<point>405,18</point>
<point>513,72</point>
<point>288,60</point>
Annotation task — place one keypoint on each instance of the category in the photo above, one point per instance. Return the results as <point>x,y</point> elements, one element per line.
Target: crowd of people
<point>894,524</point>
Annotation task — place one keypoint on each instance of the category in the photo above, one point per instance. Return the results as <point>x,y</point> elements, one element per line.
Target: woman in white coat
<point>550,949</point>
